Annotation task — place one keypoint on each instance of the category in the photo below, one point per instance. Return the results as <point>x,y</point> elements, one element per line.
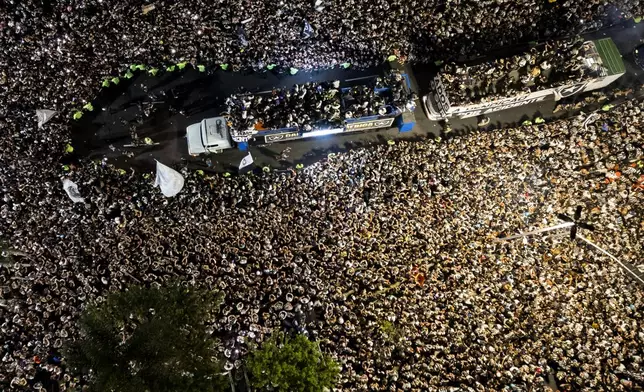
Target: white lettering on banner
<point>439,107</point>
<point>567,91</point>
<point>440,95</point>
<point>514,101</point>
<point>281,136</point>
<point>382,123</point>
<point>472,113</point>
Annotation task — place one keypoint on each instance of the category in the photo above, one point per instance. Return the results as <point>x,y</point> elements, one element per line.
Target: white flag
<point>169,180</point>
<point>248,160</point>
<point>72,191</point>
<point>44,115</point>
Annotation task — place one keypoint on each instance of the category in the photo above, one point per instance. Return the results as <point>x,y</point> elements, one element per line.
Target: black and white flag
<point>307,30</point>
<point>246,161</point>
<point>241,34</point>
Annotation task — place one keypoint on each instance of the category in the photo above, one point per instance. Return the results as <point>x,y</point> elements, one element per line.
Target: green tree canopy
<point>291,364</point>
<point>150,339</point>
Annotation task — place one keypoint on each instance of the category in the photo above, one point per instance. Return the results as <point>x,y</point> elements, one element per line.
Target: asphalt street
<point>176,100</point>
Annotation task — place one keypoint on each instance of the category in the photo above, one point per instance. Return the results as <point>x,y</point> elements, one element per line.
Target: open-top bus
<point>599,63</point>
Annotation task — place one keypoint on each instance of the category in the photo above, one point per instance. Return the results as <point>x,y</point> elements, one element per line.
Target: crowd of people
<point>383,254</point>
<point>57,53</point>
<point>552,65</point>
<point>314,105</point>
<point>386,255</point>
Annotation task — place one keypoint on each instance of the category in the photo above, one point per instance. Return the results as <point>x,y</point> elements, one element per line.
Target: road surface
<point>183,98</point>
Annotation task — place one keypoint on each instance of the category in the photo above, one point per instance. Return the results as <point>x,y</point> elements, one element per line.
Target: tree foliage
<point>149,339</point>
<point>291,364</point>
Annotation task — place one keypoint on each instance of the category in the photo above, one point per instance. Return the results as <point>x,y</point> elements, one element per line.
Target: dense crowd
<point>385,254</point>
<point>552,65</point>
<point>56,53</point>
<point>317,105</point>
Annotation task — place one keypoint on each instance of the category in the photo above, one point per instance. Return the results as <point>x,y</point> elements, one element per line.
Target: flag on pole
<point>44,115</point>
<point>592,117</point>
<point>72,191</point>
<point>168,180</point>
<point>241,34</point>
<point>307,30</point>
<point>246,161</point>
<point>147,8</point>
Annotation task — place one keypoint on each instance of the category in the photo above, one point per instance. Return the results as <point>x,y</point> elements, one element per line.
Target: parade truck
<point>208,136</point>
<point>240,128</point>
<point>600,59</point>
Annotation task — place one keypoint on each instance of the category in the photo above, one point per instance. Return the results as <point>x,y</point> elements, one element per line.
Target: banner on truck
<point>278,137</point>
<point>369,124</point>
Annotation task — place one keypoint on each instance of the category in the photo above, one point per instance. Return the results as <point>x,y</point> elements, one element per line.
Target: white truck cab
<point>208,136</point>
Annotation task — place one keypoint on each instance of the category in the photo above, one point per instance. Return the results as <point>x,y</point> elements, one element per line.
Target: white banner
<point>44,115</point>
<point>438,105</point>
<point>168,180</point>
<point>72,191</point>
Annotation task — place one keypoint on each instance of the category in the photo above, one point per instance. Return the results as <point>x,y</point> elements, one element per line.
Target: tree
<point>291,364</point>
<point>149,339</point>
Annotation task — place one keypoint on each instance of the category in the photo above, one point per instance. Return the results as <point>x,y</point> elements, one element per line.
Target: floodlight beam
<point>556,227</point>
<point>630,271</point>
